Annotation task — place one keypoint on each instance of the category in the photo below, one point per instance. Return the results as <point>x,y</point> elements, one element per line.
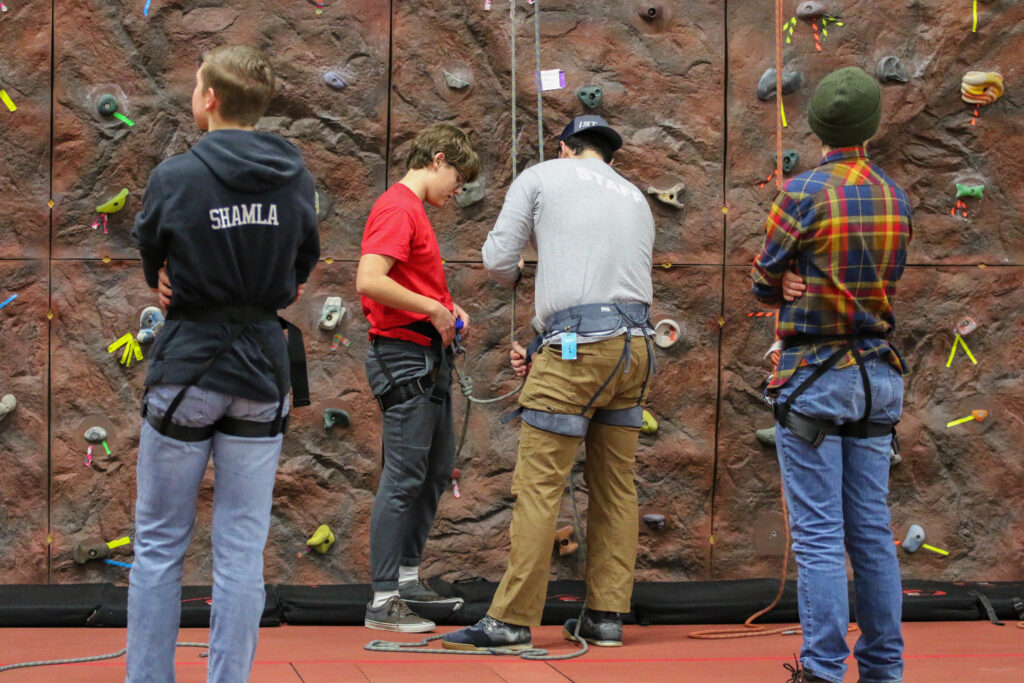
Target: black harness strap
<point>400,392</point>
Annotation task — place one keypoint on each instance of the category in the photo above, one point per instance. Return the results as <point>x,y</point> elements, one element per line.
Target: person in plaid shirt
<point>836,244</point>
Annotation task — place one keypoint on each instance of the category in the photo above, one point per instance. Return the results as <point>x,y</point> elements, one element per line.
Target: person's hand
<point>463,316</point>
<point>793,286</point>
<point>300,290</point>
<point>444,322</point>
<point>518,356</point>
<point>774,356</point>
<point>163,287</point>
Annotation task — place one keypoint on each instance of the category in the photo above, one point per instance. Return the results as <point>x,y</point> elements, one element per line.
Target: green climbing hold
<point>114,204</point>
<point>969,191</point>
<point>106,105</point>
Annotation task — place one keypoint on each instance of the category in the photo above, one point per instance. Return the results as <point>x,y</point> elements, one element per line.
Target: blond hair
<point>243,80</point>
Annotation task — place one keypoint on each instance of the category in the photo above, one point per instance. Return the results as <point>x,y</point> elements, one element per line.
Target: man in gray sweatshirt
<point>594,234</point>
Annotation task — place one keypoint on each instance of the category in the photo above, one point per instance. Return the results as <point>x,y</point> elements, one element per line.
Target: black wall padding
<point>71,605</point>
<point>707,602</point>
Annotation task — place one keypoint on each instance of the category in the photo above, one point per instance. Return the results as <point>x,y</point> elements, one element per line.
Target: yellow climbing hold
<point>981,87</point>
<point>649,425</point>
<point>322,539</point>
<point>114,204</point>
<point>328,260</point>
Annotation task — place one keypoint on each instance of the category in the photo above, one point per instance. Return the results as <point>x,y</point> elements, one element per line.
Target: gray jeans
<point>169,474</point>
<point>418,443</point>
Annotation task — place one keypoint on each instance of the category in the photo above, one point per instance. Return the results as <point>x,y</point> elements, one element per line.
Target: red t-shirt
<point>398,227</point>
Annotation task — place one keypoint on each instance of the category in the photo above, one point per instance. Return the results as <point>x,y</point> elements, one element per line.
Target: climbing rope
<point>80,660</point>
<point>540,103</point>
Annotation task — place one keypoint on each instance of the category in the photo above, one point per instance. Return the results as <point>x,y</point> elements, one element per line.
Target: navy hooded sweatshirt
<point>235,221</point>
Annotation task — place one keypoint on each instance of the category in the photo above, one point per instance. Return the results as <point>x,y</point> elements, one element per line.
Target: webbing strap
<point>226,425</point>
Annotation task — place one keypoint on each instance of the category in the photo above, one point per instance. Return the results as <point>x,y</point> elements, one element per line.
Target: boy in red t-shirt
<point>412,325</point>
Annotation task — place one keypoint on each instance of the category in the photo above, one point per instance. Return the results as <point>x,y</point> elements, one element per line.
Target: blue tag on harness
<point>568,346</point>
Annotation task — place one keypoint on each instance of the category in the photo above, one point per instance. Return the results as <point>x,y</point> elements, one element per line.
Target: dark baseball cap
<point>592,122</point>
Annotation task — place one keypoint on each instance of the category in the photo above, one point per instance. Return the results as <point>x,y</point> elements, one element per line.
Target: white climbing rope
<point>80,660</point>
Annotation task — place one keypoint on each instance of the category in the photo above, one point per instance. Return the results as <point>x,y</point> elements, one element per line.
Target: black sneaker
<point>603,629</point>
<point>418,592</point>
<point>395,615</point>
<point>489,633</point>
<point>799,675</point>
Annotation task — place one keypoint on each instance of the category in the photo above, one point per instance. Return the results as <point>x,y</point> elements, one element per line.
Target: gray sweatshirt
<point>592,229</point>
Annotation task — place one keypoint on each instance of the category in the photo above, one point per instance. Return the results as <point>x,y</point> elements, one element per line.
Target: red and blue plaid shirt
<point>844,227</point>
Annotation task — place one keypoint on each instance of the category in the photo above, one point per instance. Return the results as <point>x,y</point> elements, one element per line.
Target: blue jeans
<point>169,475</point>
<point>837,494</point>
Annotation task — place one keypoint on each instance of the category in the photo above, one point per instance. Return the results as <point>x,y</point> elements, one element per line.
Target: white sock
<point>380,597</point>
<point>407,574</point>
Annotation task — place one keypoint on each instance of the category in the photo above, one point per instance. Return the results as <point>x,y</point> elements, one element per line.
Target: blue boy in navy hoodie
<point>228,235</point>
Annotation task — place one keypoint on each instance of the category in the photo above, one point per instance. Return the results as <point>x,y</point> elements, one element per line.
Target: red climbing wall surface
<point>679,80</point>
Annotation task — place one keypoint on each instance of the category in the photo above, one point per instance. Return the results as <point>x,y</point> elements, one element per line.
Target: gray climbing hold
<point>654,521</point>
<point>334,81</point>
<point>914,538</point>
<point>471,193</point>
<point>810,9</point>
<point>671,195</point>
<point>765,437</point>
<point>649,12</point>
<point>891,70</point>
<point>106,105</point>
<point>7,405</point>
<point>151,321</point>
<point>790,157</point>
<point>453,81</point>
<point>336,416</point>
<point>791,82</point>
<point>95,434</point>
<point>331,313</point>
<point>590,95</point>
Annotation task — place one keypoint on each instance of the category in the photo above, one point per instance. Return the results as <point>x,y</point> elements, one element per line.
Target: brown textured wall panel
<point>25,158</point>
<point>24,369</point>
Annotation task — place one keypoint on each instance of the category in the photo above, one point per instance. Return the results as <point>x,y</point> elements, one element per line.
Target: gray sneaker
<point>418,592</point>
<point>395,615</point>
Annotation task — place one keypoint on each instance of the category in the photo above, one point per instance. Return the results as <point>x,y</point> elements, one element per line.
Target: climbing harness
<point>81,660</point>
<point>814,430</point>
<point>242,318</point>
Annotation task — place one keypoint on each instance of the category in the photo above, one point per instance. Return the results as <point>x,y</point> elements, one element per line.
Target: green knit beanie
<point>846,107</point>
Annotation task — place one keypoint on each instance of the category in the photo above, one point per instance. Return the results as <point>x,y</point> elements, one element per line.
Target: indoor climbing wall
<point>685,84</point>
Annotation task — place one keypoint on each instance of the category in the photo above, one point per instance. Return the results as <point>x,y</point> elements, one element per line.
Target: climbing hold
<point>332,313</point>
<point>336,416</point>
<point>649,12</point>
<point>791,82</point>
<point>95,434</point>
<point>151,321</point>
<point>106,105</point>
<point>454,82</point>
<point>891,69</point>
<point>334,81</point>
<point>590,95</point>
<point>666,333</point>
<point>765,437</point>
<point>790,157</point>
<point>471,193</point>
<point>7,405</point>
<point>654,521</point>
<point>668,194</point>
<point>115,203</point>
<point>981,87</point>
<point>93,548</point>
<point>810,10</point>
<point>894,457</point>
<point>976,415</point>
<point>564,542</point>
<point>321,540</point>
<point>456,475</point>
<point>649,424</point>
<point>965,326</point>
<point>974,191</point>
<point>914,541</point>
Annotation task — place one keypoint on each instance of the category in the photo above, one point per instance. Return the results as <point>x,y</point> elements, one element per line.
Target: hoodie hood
<point>249,161</point>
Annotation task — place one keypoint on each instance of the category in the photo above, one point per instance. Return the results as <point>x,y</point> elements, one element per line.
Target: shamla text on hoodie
<point>242,214</point>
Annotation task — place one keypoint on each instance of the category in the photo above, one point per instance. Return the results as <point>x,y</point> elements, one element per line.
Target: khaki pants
<point>545,460</point>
